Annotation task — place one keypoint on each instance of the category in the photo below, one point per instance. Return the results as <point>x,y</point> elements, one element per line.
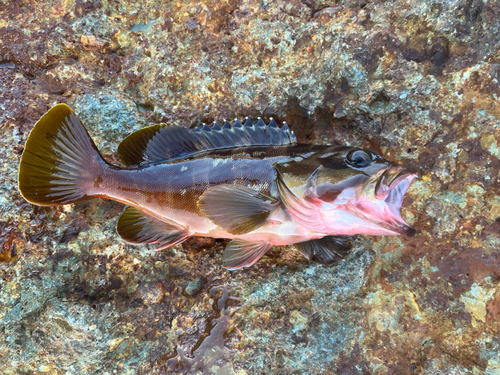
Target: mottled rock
<point>298,321</point>
<point>150,293</point>
<point>416,82</point>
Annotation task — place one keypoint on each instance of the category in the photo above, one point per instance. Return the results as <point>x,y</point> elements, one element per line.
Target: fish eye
<point>359,159</point>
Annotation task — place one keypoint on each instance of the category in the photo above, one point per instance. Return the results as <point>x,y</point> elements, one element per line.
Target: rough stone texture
<point>417,81</point>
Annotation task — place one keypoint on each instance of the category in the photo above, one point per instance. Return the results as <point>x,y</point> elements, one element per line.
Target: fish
<point>251,183</point>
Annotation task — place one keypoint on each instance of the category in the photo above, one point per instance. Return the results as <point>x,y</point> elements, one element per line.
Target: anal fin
<point>240,253</point>
<point>236,208</point>
<point>327,250</point>
<point>137,227</point>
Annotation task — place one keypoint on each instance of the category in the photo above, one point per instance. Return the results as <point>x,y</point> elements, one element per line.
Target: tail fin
<point>60,161</point>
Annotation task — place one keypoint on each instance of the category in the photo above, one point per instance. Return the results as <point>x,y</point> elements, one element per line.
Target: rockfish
<point>251,183</point>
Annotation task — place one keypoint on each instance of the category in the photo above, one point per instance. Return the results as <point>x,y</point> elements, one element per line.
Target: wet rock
<point>339,113</point>
<point>194,286</point>
<point>418,84</point>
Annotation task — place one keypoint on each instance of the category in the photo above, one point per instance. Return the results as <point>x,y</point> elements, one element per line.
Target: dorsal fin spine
<point>274,134</point>
<point>217,136</point>
<point>241,135</point>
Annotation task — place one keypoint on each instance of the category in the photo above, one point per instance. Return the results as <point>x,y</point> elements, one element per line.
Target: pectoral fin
<point>136,227</point>
<point>241,253</point>
<point>327,250</point>
<point>236,208</point>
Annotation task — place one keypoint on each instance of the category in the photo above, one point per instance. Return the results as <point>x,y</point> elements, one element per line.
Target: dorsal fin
<point>131,148</point>
<point>165,142</point>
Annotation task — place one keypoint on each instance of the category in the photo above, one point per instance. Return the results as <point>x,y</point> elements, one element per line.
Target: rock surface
<point>415,81</point>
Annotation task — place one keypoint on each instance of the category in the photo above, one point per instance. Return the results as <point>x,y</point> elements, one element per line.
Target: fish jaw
<point>382,205</point>
<point>349,222</point>
<point>370,208</point>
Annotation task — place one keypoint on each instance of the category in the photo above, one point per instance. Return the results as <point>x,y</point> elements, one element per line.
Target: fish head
<point>347,191</point>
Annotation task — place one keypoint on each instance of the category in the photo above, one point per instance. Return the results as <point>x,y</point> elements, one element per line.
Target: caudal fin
<point>60,161</point>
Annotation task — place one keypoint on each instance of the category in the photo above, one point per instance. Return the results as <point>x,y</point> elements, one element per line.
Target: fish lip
<point>391,178</point>
<point>398,186</point>
<point>400,227</point>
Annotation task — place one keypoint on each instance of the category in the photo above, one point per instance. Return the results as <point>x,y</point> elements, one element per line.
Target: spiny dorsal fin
<point>165,142</point>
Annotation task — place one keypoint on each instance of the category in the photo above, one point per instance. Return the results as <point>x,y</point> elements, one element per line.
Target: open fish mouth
<point>391,189</point>
<point>383,209</point>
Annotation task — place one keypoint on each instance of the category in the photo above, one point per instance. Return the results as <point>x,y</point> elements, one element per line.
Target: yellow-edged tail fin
<point>60,161</point>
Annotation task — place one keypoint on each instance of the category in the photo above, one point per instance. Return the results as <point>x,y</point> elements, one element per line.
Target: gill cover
<point>323,176</point>
<point>309,184</point>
